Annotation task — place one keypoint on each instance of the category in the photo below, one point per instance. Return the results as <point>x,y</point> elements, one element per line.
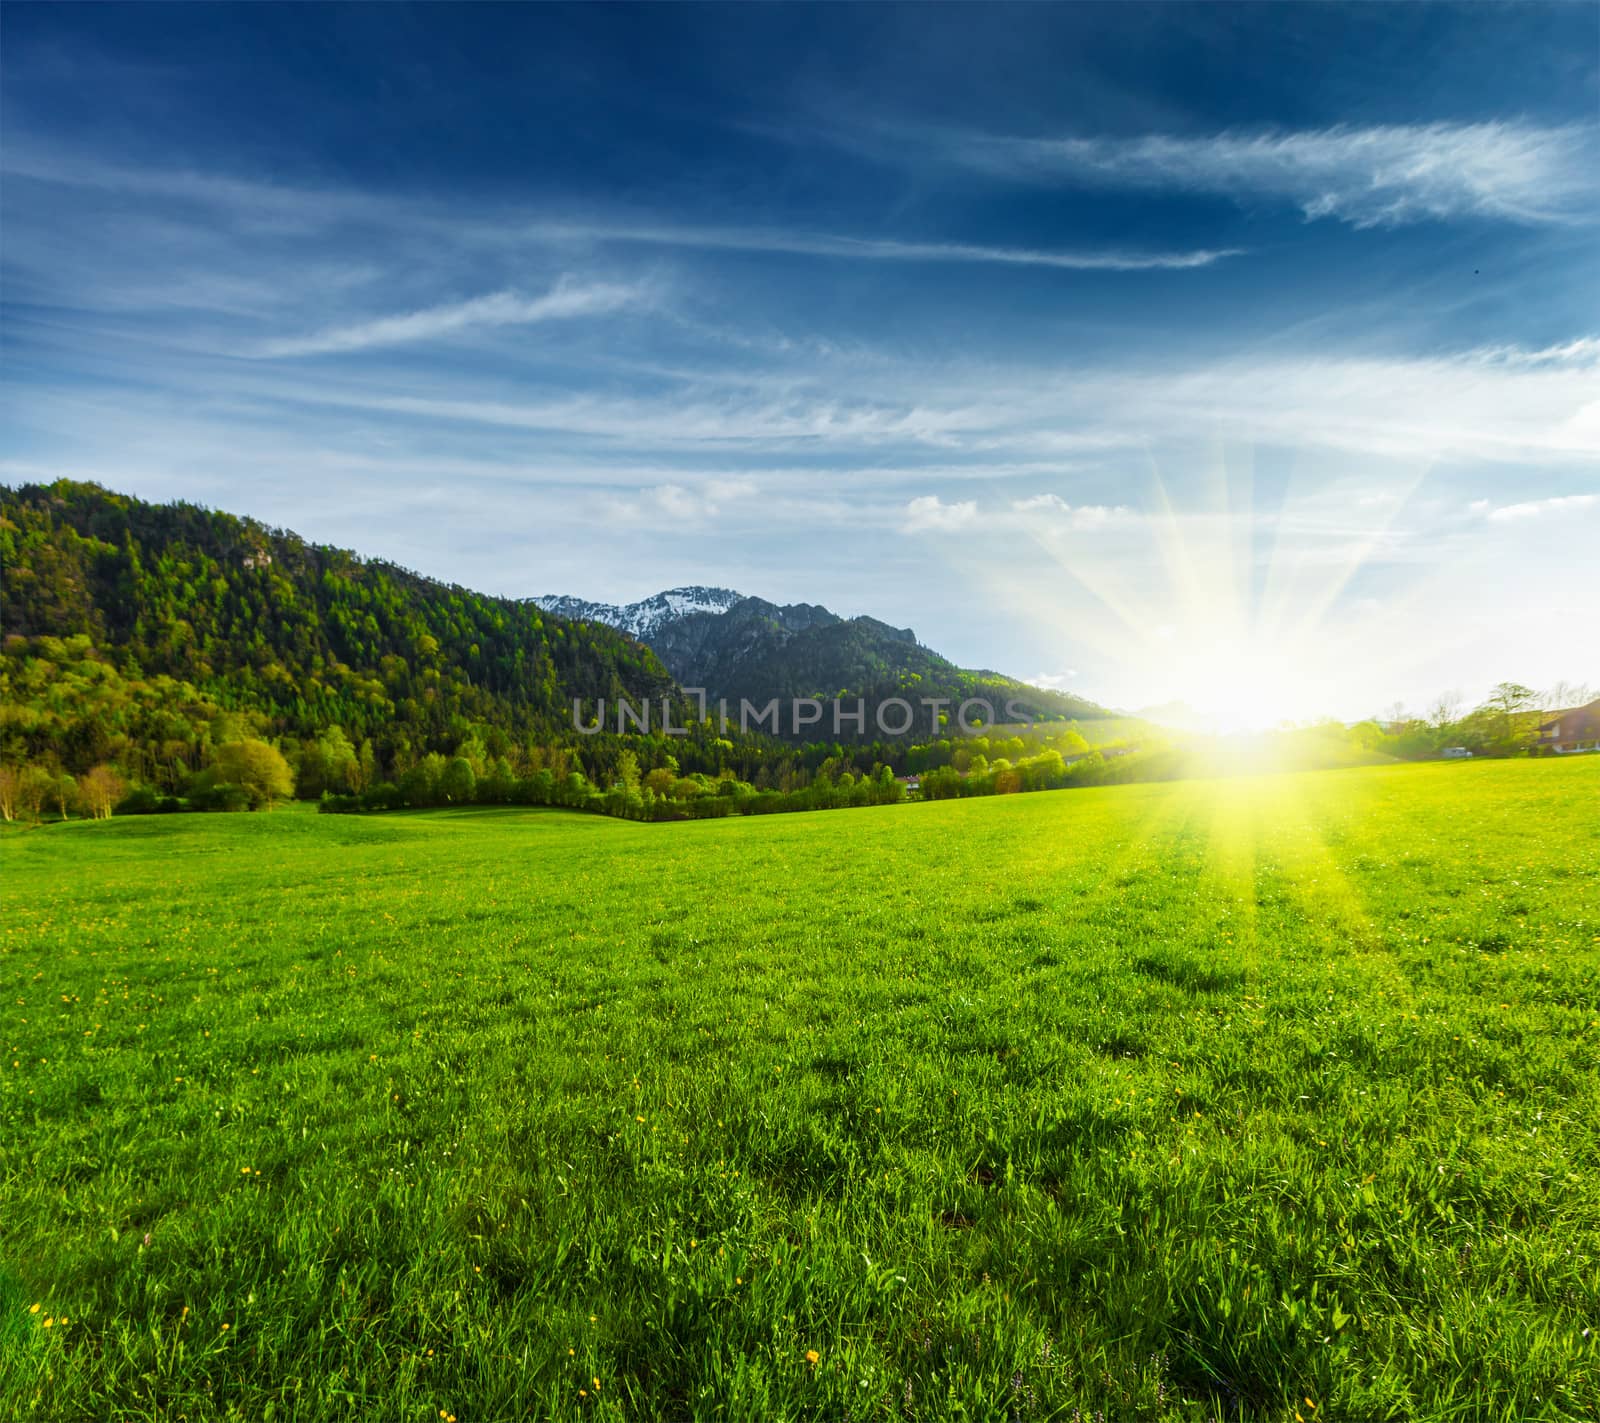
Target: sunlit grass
<point>1175,1101</point>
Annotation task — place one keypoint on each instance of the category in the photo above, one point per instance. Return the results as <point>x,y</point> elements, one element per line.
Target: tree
<point>1051,765</point>
<point>420,785</point>
<point>459,783</point>
<point>64,793</point>
<point>499,785</point>
<point>366,769</point>
<point>1565,695</point>
<point>332,762</point>
<point>35,790</point>
<point>628,773</point>
<point>1509,703</point>
<point>1072,742</point>
<point>475,753</point>
<point>1367,734</point>
<point>256,767</point>
<point>10,785</point>
<point>100,790</point>
<point>1445,710</point>
<point>1509,698</point>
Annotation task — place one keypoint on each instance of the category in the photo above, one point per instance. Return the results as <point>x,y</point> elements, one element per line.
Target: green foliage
<point>258,769</point>
<point>758,650</point>
<point>143,640</point>
<point>1504,725</point>
<point>1171,1102</point>
<point>164,616</point>
<point>458,783</point>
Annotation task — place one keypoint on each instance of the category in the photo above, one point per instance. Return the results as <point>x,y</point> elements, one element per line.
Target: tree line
<point>160,658</point>
<point>1504,724</point>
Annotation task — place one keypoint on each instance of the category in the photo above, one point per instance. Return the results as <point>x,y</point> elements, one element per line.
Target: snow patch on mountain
<point>644,618</point>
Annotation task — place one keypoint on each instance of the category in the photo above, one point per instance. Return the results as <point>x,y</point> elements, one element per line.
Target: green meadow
<point>1268,1098</point>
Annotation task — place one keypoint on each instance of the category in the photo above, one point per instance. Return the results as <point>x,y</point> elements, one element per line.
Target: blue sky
<point>1234,354</point>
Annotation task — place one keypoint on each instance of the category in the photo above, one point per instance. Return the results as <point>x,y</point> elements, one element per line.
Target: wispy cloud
<point>256,203</point>
<point>873,249</point>
<point>259,208</point>
<point>1368,177</point>
<point>680,503</point>
<point>1535,508</point>
<point>564,302</point>
<point>887,419</point>
<point>1585,350</point>
<point>686,414</point>
<point>1471,404</point>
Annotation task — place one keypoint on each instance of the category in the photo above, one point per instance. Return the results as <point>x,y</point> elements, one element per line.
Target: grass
<point>1260,1098</point>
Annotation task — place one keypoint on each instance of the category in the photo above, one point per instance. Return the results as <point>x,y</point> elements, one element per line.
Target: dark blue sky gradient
<point>603,298</point>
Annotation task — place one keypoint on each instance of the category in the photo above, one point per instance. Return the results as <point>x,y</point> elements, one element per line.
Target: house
<point>1576,729</point>
<point>912,784</point>
<point>1455,753</point>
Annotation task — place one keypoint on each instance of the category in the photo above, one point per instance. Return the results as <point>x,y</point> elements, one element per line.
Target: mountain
<point>130,628</point>
<point>737,647</point>
<point>640,620</point>
<point>144,636</point>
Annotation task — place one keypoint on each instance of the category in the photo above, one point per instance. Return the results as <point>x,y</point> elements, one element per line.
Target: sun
<point>1226,613</point>
<point>1243,684</point>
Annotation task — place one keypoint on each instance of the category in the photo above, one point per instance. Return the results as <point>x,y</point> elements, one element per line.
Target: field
<point>1275,1097</point>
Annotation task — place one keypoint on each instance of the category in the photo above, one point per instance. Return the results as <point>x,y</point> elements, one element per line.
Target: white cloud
<point>1077,517</point>
<point>1369,177</point>
<point>1585,350</point>
<point>931,512</point>
<point>563,302</point>
<point>259,207</point>
<point>821,244</point>
<point>871,423</point>
<point>1475,404</point>
<point>680,503</point>
<point>1040,512</point>
<point>685,415</point>
<point>1534,508</point>
<point>1055,681</point>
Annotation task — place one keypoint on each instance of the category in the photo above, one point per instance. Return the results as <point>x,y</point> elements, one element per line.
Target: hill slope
<point>218,613</point>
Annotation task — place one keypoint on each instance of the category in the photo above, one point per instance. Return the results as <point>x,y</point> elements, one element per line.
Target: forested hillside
<point>748,648</point>
<point>758,650</point>
<point>131,628</point>
<point>169,657</point>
